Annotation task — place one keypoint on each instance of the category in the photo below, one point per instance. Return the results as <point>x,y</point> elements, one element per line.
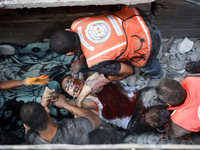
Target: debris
<point>185,45</point>
<point>168,45</point>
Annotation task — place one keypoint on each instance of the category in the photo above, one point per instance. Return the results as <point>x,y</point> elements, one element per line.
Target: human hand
<point>77,66</point>
<point>49,96</point>
<point>84,93</point>
<point>61,101</point>
<point>97,83</point>
<point>43,79</point>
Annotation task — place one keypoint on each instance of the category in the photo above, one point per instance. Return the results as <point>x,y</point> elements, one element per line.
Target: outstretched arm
<point>5,85</point>
<point>61,102</point>
<point>79,112</point>
<point>43,79</point>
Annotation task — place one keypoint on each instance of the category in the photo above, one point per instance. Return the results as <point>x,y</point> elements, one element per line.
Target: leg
<point>153,68</point>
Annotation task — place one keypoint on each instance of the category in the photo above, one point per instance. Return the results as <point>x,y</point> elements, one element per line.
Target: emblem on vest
<point>98,31</point>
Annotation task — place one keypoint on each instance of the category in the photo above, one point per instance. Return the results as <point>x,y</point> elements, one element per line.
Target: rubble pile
<point>173,56</point>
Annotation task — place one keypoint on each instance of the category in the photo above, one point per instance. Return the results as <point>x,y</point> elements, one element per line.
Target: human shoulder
<point>73,131</point>
<point>176,131</point>
<point>77,123</point>
<point>33,137</point>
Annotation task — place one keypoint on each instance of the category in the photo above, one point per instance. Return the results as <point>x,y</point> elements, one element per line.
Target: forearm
<point>11,84</point>
<point>125,71</point>
<point>80,112</point>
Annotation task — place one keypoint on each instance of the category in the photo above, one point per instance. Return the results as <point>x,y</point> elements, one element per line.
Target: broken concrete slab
<point>13,4</point>
<point>185,45</point>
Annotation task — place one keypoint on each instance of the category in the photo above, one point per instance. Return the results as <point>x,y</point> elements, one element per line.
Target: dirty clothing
<point>70,131</point>
<point>118,116</point>
<point>108,136</point>
<point>122,36</point>
<point>187,115</point>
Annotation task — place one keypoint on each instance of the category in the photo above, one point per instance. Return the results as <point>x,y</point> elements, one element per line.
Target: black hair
<point>63,77</point>
<point>34,115</point>
<point>159,116</point>
<point>62,41</point>
<point>171,91</point>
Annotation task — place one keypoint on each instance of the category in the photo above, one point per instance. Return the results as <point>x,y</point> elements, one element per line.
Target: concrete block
<point>13,4</point>
<point>185,45</point>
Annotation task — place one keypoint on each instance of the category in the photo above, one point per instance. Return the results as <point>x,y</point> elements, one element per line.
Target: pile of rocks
<point>173,56</point>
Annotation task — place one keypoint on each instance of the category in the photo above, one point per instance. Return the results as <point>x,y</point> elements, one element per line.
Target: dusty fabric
<point>30,61</point>
<point>70,131</point>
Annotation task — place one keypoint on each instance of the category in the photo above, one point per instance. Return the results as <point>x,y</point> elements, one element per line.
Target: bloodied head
<point>155,116</point>
<point>72,86</point>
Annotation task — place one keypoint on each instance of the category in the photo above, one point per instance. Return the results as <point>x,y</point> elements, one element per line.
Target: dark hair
<point>63,77</point>
<point>159,115</point>
<point>62,42</point>
<point>171,91</point>
<point>34,115</point>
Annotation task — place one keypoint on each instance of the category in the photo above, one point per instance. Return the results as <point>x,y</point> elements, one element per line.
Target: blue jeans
<point>154,69</point>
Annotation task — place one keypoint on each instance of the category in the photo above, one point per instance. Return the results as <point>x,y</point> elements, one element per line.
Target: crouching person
<point>41,129</point>
<point>183,99</point>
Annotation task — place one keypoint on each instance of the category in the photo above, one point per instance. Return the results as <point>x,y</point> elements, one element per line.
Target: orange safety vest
<point>188,114</point>
<point>121,36</point>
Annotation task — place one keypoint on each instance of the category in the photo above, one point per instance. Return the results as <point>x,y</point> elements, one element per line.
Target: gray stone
<point>177,40</point>
<point>166,54</point>
<point>179,56</point>
<point>173,62</point>
<point>179,65</point>
<point>193,57</point>
<point>173,51</point>
<point>181,71</point>
<point>164,40</point>
<point>185,45</point>
<point>131,80</point>
<point>164,59</point>
<point>153,82</point>
<point>197,45</point>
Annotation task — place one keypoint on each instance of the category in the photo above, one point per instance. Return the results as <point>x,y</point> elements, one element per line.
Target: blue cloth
<point>30,61</point>
<point>154,69</point>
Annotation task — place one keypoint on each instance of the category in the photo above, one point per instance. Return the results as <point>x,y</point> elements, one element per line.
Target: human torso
<point>187,115</point>
<point>107,36</point>
<point>122,119</point>
<point>70,131</point>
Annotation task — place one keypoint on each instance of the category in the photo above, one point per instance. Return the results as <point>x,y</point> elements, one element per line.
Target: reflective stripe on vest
<point>188,114</point>
<point>108,36</point>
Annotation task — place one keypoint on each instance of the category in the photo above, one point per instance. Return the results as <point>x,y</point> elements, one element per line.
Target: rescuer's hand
<point>97,83</point>
<point>43,79</point>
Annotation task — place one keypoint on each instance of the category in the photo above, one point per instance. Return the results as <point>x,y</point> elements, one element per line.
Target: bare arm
<point>43,79</point>
<point>79,112</point>
<point>5,85</point>
<point>96,82</point>
<point>61,102</point>
<point>175,130</point>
